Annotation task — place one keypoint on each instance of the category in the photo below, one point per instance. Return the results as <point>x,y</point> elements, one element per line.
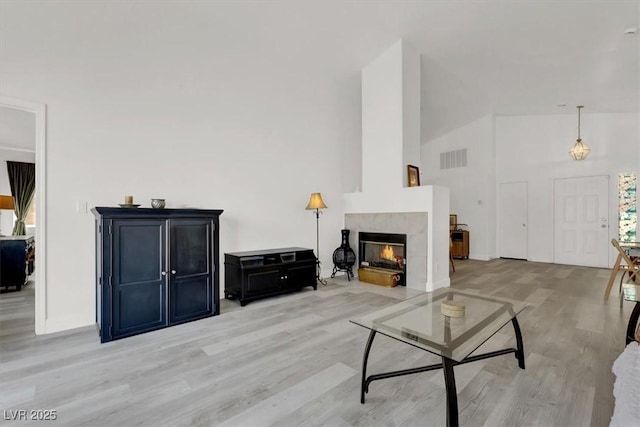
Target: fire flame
<point>387,253</point>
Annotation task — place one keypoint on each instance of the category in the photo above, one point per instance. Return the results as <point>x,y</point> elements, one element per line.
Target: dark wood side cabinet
<point>154,268</point>
<point>257,274</point>
<point>17,260</point>
<point>460,244</point>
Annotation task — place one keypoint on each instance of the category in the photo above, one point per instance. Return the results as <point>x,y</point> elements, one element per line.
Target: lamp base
<point>318,278</point>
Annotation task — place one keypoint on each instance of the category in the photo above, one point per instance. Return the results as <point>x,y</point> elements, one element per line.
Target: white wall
<point>382,121</point>
<point>472,188</point>
<point>390,117</point>
<point>532,149</point>
<point>411,114</point>
<point>6,217</point>
<point>535,149</point>
<point>201,115</point>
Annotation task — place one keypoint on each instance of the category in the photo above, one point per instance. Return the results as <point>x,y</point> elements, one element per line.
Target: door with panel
<point>190,275</point>
<point>581,221</point>
<point>138,286</point>
<point>513,208</point>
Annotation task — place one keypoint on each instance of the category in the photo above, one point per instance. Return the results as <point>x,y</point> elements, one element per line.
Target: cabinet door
<point>263,280</point>
<point>137,285</point>
<point>300,275</point>
<point>191,278</point>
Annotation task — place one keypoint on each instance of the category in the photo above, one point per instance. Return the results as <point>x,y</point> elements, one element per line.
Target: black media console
<point>256,274</point>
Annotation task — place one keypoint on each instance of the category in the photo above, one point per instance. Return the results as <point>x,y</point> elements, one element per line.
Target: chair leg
<point>451,262</point>
<point>615,270</point>
<point>624,273</point>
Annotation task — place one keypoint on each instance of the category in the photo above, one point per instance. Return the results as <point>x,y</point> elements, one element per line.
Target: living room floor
<point>295,360</point>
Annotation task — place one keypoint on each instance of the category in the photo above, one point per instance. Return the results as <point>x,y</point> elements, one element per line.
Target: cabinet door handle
<point>173,272</point>
<point>164,273</point>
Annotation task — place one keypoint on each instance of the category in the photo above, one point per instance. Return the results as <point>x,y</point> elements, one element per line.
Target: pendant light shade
<point>579,151</point>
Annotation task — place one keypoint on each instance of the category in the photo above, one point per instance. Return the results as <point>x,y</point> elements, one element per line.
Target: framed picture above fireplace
<point>413,176</point>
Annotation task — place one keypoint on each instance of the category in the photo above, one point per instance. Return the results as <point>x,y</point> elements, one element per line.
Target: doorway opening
<point>39,110</point>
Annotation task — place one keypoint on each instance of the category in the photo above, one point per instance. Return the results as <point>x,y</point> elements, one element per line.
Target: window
<point>627,207</point>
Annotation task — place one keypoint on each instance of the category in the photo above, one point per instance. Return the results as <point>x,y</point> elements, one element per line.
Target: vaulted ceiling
<point>478,57</point>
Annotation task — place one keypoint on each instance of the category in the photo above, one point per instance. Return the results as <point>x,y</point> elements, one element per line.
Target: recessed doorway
<point>39,131</point>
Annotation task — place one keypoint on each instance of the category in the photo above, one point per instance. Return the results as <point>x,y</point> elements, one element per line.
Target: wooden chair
<point>450,255</point>
<point>624,263</point>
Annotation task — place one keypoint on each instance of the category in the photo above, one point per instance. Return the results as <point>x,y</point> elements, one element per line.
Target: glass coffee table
<point>631,293</point>
<point>419,322</point>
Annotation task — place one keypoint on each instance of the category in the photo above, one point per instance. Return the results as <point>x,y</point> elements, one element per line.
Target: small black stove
<point>344,257</point>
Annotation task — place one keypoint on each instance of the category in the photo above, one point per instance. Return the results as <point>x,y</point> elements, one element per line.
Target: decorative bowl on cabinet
<point>157,203</point>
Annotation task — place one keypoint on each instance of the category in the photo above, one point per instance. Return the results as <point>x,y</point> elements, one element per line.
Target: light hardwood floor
<point>295,360</point>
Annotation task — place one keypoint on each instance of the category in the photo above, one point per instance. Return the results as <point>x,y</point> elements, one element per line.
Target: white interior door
<point>512,220</point>
<point>581,221</point>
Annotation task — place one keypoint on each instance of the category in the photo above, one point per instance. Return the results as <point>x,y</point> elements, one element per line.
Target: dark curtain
<point>22,179</point>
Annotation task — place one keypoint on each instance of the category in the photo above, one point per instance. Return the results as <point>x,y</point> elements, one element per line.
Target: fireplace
<point>385,251</point>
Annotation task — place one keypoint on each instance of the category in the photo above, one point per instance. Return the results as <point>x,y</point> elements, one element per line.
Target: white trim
<point>478,257</point>
<point>437,284</point>
<point>24,150</point>
<point>67,323</point>
<point>40,110</point>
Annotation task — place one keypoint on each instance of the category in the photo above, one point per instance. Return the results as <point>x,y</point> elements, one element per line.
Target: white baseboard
<point>60,324</point>
<point>479,257</point>
<point>442,283</point>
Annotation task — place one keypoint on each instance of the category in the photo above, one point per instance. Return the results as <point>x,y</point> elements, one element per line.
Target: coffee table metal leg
<point>363,386</point>
<point>633,321</point>
<point>452,394</point>
<point>520,352</point>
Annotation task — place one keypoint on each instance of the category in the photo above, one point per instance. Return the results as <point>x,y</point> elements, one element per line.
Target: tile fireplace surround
<point>414,225</point>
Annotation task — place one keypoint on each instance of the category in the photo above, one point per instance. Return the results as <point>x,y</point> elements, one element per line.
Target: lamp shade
<point>6,202</point>
<point>579,151</point>
<point>316,202</point>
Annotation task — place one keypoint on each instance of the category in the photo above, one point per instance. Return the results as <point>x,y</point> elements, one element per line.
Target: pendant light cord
<point>579,107</point>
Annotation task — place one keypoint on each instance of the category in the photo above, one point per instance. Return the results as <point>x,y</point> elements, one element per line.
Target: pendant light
<point>579,151</point>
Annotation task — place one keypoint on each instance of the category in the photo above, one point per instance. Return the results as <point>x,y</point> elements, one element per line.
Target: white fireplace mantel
<point>428,199</point>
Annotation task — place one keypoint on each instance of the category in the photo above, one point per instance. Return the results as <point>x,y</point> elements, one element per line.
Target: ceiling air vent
<point>453,159</point>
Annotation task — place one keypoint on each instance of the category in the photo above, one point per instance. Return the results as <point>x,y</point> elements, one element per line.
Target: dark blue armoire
<point>154,268</point>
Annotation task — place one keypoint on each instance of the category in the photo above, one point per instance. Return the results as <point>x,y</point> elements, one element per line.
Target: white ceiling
<point>17,129</point>
<point>478,57</point>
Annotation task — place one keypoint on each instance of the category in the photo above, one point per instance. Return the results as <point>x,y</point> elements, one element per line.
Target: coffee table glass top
<point>631,292</point>
<point>418,321</point>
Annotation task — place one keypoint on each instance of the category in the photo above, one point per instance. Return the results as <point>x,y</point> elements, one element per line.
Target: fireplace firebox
<point>384,251</point>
